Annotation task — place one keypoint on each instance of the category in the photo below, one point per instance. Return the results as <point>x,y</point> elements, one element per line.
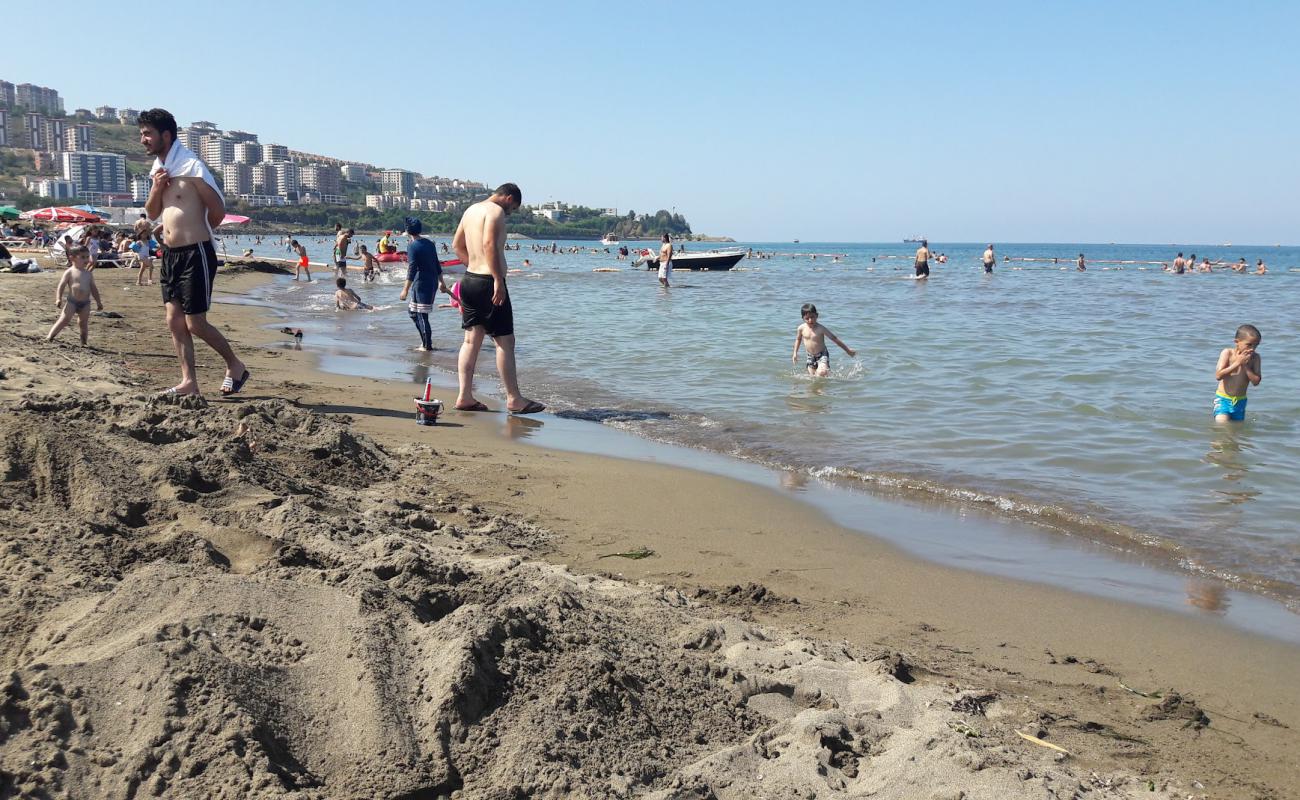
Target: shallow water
<point>1080,401</point>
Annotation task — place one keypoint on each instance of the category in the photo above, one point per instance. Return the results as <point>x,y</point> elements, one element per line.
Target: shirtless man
<point>143,227</point>
<point>1180,266</point>
<point>989,260</point>
<point>923,260</point>
<point>342,241</point>
<point>485,303</point>
<point>189,207</point>
<point>666,260</point>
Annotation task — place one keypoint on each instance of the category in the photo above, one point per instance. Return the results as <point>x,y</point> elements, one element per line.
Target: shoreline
<point>987,512</point>
<point>1037,647</point>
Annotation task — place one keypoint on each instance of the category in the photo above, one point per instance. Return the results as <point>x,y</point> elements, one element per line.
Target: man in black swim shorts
<point>187,275</point>
<point>186,200</point>
<point>923,260</point>
<point>484,299</point>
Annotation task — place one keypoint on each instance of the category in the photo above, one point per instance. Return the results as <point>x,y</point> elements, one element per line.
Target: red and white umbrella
<point>235,219</point>
<point>60,214</point>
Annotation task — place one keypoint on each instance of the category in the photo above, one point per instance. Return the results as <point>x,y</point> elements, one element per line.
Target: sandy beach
<point>298,592</point>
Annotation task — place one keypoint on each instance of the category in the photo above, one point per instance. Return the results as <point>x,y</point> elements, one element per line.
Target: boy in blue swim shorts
<point>1238,369</point>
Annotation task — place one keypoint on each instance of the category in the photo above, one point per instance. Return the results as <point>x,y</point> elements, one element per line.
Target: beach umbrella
<point>8,212</point>
<point>60,214</point>
<point>92,210</point>
<point>235,219</point>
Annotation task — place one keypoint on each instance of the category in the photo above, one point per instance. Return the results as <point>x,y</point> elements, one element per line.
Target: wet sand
<point>299,592</point>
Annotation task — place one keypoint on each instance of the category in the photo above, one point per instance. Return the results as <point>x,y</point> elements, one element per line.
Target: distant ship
<point>609,240</point>
<point>914,239</point>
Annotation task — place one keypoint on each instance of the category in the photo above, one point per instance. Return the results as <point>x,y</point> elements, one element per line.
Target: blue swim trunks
<point>1233,407</point>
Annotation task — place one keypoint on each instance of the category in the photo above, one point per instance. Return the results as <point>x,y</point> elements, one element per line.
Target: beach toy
<point>427,408</point>
<point>455,295</point>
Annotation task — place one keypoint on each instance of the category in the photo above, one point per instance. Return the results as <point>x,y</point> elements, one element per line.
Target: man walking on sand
<point>485,303</point>
<point>185,199</point>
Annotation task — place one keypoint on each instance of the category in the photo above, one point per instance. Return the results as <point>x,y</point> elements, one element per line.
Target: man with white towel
<point>185,198</point>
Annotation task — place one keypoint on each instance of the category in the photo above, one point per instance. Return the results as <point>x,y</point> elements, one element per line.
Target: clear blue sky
<point>855,121</point>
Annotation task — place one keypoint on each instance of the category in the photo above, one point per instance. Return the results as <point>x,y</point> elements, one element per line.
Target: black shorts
<point>476,307</point>
<point>187,274</point>
<point>922,269</point>
<point>988,267</point>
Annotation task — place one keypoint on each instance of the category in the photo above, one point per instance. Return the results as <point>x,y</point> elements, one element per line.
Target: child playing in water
<point>347,300</point>
<point>812,336</point>
<point>302,260</point>
<point>79,281</point>
<point>371,265</point>
<point>1238,368</point>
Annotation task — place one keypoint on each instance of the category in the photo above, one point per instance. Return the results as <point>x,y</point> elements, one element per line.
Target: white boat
<point>716,260</point>
<point>609,240</point>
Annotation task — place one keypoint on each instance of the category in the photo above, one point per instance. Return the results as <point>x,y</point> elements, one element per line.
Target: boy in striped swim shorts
<point>1238,369</point>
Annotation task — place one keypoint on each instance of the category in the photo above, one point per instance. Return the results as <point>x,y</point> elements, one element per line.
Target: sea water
<point>1078,401</point>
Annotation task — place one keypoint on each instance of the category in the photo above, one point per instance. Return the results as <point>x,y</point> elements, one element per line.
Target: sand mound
<point>252,600</point>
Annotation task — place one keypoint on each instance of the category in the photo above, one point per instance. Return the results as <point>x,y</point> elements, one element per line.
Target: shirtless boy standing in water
<point>189,207</point>
<point>1238,368</point>
<point>812,336</point>
<point>485,304</point>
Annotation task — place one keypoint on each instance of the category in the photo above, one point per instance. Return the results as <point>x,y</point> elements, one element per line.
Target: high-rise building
<point>286,178</point>
<point>8,95</point>
<point>242,136</point>
<point>79,138</point>
<point>106,113</point>
<point>55,135</point>
<point>205,127</point>
<point>218,151</point>
<point>191,138</point>
<point>398,181</point>
<point>248,153</point>
<point>237,179</point>
<point>84,114</point>
<point>275,152</point>
<point>375,201</point>
<point>96,172</point>
<point>34,130</point>
<point>128,116</point>
<point>321,178</point>
<point>354,173</point>
<point>38,98</point>
<point>4,127</point>
<point>264,180</point>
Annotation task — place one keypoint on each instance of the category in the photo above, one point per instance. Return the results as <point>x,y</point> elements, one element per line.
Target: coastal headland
<point>300,593</point>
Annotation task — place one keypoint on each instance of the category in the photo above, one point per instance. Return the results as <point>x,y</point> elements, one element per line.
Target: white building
<point>354,173</point>
<point>283,175</point>
<point>140,189</point>
<point>128,116</point>
<point>55,189</point>
<point>96,172</point>
<point>217,152</point>
<point>237,178</point>
<point>320,178</point>
<point>263,199</point>
<point>79,138</point>
<point>609,212</point>
<point>241,136</point>
<point>397,181</point>
<point>55,136</point>
<point>106,113</point>
<point>191,138</point>
<point>34,128</point>
<point>4,128</point>
<point>376,201</point>
<point>248,153</point>
<point>275,152</point>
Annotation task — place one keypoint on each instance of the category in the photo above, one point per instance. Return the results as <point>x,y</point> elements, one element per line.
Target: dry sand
<point>300,593</point>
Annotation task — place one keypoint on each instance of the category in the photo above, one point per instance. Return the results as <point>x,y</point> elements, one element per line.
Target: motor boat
<point>717,260</point>
<point>609,240</point>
